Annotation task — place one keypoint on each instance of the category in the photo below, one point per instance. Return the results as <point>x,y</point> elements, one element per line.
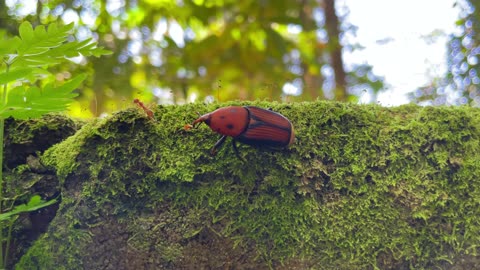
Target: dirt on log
<point>363,187</point>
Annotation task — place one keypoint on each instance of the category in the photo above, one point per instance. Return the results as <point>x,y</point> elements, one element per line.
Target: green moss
<point>363,187</point>
<point>25,138</point>
<point>63,159</point>
<point>21,131</point>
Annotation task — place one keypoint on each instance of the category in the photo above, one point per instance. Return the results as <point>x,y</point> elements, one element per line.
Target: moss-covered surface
<point>24,138</point>
<point>25,176</point>
<point>363,187</point>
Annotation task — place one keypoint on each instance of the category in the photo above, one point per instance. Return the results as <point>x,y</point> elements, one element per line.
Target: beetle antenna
<point>195,123</point>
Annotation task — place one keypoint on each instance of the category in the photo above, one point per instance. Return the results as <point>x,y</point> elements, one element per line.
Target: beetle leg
<point>218,144</point>
<point>235,149</point>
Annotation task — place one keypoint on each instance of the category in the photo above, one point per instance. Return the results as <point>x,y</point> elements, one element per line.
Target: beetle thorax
<point>231,121</point>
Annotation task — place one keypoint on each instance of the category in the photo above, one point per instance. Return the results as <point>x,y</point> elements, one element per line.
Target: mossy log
<point>24,175</point>
<point>363,187</point>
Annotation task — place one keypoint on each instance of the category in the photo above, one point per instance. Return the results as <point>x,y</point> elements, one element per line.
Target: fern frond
<point>25,102</point>
<point>41,39</point>
<point>26,59</point>
<point>48,46</point>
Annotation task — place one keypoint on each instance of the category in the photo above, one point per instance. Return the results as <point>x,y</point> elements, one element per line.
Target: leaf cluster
<point>24,69</point>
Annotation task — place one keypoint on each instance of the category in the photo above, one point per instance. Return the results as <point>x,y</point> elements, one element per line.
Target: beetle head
<point>202,118</point>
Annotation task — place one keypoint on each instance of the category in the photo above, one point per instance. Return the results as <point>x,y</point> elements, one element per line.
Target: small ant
<point>147,110</point>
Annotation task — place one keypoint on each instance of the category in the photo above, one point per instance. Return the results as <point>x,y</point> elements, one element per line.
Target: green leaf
<point>36,50</point>
<point>15,74</point>
<point>27,102</point>
<point>40,41</point>
<point>99,51</point>
<point>43,48</point>
<point>26,31</point>
<point>9,46</point>
<point>40,32</point>
<point>34,204</point>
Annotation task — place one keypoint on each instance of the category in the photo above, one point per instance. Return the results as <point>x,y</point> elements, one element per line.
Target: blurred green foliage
<point>461,84</point>
<point>174,51</point>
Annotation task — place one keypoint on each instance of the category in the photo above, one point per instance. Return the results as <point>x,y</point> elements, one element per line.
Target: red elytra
<point>250,125</point>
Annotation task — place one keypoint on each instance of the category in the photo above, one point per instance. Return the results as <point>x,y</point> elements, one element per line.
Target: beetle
<point>249,125</point>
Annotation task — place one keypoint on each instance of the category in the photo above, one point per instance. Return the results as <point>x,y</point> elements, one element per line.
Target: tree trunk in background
<point>332,25</point>
<point>312,81</point>
<point>4,20</point>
